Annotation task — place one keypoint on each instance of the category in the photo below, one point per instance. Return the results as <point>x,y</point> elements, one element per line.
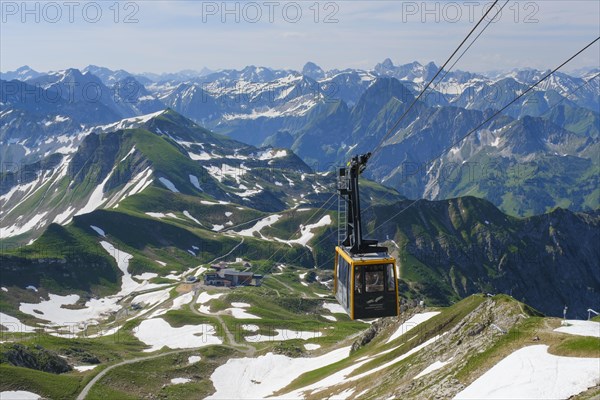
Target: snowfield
<point>52,310</point>
<point>152,298</point>
<point>581,328</point>
<point>75,320</point>
<point>157,333</point>
<point>64,217</point>
<point>257,378</point>
<point>533,373</point>
<point>270,154</point>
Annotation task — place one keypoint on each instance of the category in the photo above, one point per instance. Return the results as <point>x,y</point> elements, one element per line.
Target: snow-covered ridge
<point>126,123</point>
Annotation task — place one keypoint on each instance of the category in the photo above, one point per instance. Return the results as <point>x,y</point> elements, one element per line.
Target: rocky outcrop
<point>35,358</point>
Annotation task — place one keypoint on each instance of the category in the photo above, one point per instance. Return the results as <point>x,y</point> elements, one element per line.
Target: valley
<point>112,214</point>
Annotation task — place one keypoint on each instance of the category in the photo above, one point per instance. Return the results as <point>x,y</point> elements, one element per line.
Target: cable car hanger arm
<point>354,241</point>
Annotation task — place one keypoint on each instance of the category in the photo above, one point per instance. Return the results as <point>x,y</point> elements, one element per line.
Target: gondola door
<point>342,282</point>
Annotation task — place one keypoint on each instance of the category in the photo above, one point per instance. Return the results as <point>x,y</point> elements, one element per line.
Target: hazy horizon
<point>199,70</point>
<point>173,36</point>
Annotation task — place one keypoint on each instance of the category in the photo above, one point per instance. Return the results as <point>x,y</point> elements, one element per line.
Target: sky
<point>169,36</point>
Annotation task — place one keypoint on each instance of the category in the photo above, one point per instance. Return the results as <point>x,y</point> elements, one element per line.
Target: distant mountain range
<point>540,154</point>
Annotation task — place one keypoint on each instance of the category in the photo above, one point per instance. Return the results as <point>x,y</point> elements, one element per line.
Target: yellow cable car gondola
<point>365,281</point>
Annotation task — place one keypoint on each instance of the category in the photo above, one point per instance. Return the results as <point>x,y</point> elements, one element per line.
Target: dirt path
<point>91,383</point>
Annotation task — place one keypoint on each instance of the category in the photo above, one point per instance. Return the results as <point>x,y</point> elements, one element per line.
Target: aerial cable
<point>529,89</point>
<point>393,128</point>
<point>468,47</point>
<point>498,113</point>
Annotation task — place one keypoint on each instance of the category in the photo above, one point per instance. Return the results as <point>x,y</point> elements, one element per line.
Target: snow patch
<point>268,221</point>
<point>13,324</point>
<point>533,373</point>
<point>580,328</point>
<point>343,376</point>
<point>19,395</point>
<point>83,368</point>
<point>307,232</point>
<point>188,215</point>
<point>145,276</point>
<point>179,381</point>
<point>98,230</point>
<point>96,199</point>
<point>128,154</point>
<point>204,297</point>
<point>212,203</point>
<point>270,154</point>
<point>157,333</point>
<point>64,217</point>
<point>168,184</point>
<point>202,156</point>
<point>433,367</point>
<point>240,313</point>
<point>194,359</point>
<point>334,308</point>
<point>195,182</point>
<point>259,377</point>
<point>76,320</point>
<point>15,230</point>
<point>312,346</point>
<point>284,334</point>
